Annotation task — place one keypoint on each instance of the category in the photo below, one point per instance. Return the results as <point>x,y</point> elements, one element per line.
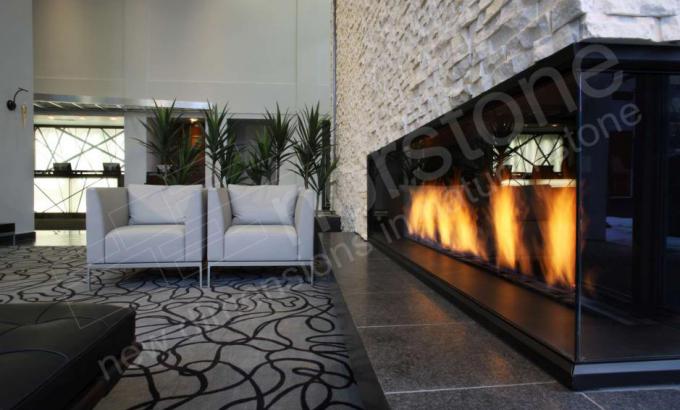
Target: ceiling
<point>70,105</point>
<point>87,119</point>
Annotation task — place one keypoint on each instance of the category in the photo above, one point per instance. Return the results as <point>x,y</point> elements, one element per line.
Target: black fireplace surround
<point>549,207</point>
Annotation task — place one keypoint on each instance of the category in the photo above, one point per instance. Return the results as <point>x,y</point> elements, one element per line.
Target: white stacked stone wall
<point>402,63</point>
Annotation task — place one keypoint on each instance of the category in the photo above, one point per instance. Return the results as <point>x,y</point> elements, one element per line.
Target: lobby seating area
<point>146,226</point>
<point>339,204</point>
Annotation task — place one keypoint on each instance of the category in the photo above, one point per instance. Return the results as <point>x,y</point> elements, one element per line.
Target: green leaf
<point>163,129</point>
<point>188,156</point>
<point>280,128</point>
<point>261,164</point>
<point>309,150</point>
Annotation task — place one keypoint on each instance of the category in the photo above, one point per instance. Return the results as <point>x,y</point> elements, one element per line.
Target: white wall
<point>250,53</point>
<point>16,139</point>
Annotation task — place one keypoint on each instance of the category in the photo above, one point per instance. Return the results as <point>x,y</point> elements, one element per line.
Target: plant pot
<point>325,221</point>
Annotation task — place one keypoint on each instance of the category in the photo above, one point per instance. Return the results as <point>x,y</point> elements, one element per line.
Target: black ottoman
<point>53,355</point>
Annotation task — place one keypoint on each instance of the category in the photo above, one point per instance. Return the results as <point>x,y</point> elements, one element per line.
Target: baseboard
<point>25,237</point>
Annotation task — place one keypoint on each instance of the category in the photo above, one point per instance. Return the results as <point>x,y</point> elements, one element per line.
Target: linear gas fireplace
<point>550,207</point>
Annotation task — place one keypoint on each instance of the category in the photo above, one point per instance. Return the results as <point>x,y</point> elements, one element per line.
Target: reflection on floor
<point>59,238</point>
<point>426,353</point>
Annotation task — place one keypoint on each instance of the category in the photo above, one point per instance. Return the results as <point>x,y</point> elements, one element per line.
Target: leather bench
<point>55,355</point>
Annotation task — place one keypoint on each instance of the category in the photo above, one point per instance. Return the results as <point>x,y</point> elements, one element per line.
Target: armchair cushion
<point>263,205</point>
<point>260,243</point>
<point>159,204</point>
<point>145,244</point>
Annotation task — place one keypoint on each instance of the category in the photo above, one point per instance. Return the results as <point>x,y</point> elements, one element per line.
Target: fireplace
<point>549,207</point>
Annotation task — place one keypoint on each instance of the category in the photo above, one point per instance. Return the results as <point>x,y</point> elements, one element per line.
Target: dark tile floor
<point>427,354</point>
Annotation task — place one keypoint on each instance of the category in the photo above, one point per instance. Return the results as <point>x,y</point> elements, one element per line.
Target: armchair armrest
<point>305,208</point>
<point>194,227</point>
<point>219,220</point>
<point>107,209</point>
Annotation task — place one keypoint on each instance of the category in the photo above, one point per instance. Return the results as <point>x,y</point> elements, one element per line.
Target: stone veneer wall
<point>402,63</point>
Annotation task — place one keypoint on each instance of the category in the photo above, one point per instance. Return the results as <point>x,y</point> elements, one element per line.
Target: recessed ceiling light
<point>82,118</point>
<point>113,118</point>
<point>193,120</point>
<point>51,117</point>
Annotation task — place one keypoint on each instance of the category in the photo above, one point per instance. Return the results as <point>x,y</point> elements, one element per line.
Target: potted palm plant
<point>215,134</point>
<point>188,155</point>
<point>280,128</point>
<point>312,157</point>
<point>225,164</point>
<point>163,129</point>
<point>232,167</point>
<point>262,161</point>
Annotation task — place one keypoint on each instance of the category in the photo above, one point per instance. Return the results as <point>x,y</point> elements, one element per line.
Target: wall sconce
<point>12,104</point>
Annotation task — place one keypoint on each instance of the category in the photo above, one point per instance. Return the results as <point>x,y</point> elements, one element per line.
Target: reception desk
<point>64,193</point>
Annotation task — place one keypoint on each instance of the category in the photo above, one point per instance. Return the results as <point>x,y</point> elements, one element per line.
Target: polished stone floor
<point>427,354</point>
<point>59,238</point>
<point>49,238</point>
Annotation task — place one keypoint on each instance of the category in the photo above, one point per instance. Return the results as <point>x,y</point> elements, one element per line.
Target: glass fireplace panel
<point>672,222</point>
<point>628,203</point>
<point>496,195</point>
<point>562,229</point>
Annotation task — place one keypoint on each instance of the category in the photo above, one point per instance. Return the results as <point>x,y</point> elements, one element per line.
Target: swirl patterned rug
<point>256,340</point>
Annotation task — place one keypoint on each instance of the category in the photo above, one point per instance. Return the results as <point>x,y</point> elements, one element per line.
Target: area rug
<point>258,339</point>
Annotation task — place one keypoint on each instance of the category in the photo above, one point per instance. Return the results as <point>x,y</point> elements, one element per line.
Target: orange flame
<point>444,215</point>
<point>558,230</point>
<point>508,236</point>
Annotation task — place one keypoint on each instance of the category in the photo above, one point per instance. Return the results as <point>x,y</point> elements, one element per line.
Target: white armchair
<point>145,226</point>
<point>267,225</point>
